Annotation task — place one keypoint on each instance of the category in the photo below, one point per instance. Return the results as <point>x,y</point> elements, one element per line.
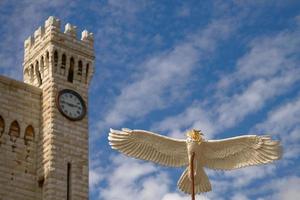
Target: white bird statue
<point>195,153</point>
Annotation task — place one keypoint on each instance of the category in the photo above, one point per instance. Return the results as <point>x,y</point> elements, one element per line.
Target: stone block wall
<point>62,143</point>
<point>20,107</point>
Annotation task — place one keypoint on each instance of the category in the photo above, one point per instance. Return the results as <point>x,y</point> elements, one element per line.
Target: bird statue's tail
<point>202,183</point>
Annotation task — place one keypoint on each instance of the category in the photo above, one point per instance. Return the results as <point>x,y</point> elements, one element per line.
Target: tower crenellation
<point>52,25</point>
<point>71,30</point>
<point>59,53</point>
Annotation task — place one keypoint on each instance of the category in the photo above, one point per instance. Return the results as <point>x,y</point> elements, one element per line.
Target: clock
<point>70,104</point>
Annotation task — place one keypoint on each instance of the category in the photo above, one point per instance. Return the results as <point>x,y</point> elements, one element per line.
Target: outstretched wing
<point>149,146</point>
<point>242,151</point>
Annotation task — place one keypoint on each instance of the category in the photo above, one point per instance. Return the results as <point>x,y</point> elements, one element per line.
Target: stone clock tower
<point>61,65</point>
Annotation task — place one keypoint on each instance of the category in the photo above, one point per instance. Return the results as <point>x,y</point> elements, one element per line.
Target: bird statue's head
<point>195,135</point>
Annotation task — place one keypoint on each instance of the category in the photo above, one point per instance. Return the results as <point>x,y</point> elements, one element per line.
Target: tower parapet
<point>52,26</point>
<point>51,50</point>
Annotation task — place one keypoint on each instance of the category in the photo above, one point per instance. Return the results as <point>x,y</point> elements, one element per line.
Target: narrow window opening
<point>2,126</point>
<point>31,73</point>
<point>55,60</point>
<point>87,72</point>
<point>63,64</point>
<point>79,68</point>
<point>71,70</point>
<point>41,181</point>
<point>38,73</point>
<point>69,176</point>
<point>79,72</point>
<point>42,66</point>
<point>47,59</point>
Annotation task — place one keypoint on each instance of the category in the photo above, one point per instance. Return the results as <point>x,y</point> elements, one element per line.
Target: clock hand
<point>71,105</point>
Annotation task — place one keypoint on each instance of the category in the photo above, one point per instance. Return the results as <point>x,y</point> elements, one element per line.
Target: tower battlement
<point>52,27</point>
<point>49,50</point>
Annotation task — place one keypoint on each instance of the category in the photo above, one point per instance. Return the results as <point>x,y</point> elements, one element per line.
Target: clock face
<point>71,104</point>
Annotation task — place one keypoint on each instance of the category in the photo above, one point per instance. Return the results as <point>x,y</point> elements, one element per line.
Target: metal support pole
<point>193,174</point>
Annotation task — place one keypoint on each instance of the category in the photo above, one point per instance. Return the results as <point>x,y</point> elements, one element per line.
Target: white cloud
<point>240,178</point>
<point>23,19</point>
<point>239,196</point>
<point>269,69</point>
<point>282,188</point>
<point>133,179</point>
<point>133,169</point>
<point>287,188</point>
<point>283,118</point>
<point>95,177</point>
<point>153,87</point>
<point>176,196</point>
<point>127,6</point>
<point>194,116</point>
<point>239,181</point>
<point>254,97</point>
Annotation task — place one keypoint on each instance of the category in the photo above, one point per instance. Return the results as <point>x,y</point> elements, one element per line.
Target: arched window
<point>29,134</point>
<point>71,70</point>
<point>38,73</point>
<point>2,126</point>
<point>87,72</point>
<point>55,60</point>
<point>63,64</point>
<point>14,131</point>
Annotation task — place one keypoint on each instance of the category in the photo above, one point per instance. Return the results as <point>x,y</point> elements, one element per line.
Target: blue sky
<point>225,67</point>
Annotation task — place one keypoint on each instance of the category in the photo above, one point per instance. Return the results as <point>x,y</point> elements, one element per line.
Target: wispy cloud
<point>184,11</point>
<point>24,17</point>
<point>126,6</point>
<point>153,87</point>
<point>132,179</point>
<point>96,175</point>
<point>282,188</point>
<point>239,196</point>
<point>177,196</point>
<point>194,116</point>
<point>269,69</point>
